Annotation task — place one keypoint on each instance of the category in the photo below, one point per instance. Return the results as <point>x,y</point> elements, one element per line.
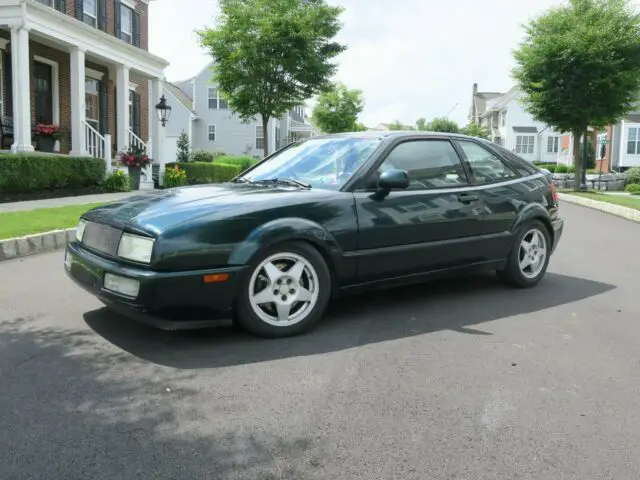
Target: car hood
<point>156,211</point>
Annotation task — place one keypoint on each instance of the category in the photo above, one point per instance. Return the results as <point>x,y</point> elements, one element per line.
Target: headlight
<point>80,230</point>
<point>133,247</point>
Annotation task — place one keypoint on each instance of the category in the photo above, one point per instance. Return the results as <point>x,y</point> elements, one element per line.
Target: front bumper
<point>166,300</point>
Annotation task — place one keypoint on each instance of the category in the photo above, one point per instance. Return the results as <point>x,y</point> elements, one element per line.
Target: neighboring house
<point>205,116</point>
<point>623,151</point>
<point>84,65</point>
<point>512,127</point>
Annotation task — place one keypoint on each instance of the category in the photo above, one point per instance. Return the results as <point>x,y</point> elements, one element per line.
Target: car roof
<point>389,134</point>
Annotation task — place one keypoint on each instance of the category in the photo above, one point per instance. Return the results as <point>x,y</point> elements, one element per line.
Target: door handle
<point>468,197</point>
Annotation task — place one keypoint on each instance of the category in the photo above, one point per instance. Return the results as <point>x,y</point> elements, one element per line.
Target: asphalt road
<point>456,380</point>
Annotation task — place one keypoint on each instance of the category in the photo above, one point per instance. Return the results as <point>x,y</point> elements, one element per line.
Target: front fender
<point>281,230</point>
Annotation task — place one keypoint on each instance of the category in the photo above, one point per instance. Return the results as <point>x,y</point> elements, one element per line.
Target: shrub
<point>562,168</point>
<point>183,149</point>
<point>206,156</point>
<point>242,161</point>
<point>633,188</point>
<point>205,172</point>
<point>174,177</point>
<point>633,175</point>
<point>25,173</point>
<point>117,181</point>
<point>571,169</point>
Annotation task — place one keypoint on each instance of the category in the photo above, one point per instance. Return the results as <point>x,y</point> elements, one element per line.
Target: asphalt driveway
<point>463,379</point>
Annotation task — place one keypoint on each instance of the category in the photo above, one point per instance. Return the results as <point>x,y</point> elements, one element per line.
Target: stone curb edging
<point>617,210</point>
<point>38,243</point>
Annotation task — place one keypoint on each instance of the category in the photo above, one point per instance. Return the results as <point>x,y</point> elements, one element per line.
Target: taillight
<point>554,192</point>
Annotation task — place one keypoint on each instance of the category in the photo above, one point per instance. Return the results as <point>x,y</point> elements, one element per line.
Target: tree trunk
<point>265,134</point>
<point>577,161</point>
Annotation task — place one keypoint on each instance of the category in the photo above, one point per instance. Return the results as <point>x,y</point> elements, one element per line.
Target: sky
<point>410,58</point>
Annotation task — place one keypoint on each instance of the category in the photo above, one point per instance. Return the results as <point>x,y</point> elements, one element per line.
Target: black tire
<point>250,321</point>
<point>512,274</point>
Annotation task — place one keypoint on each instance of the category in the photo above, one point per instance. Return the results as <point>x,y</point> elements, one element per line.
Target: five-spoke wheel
<point>527,263</point>
<point>286,291</point>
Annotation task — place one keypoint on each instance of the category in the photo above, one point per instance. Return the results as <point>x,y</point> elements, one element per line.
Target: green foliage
<point>397,126</point>
<point>571,169</point>
<point>633,188</point>
<point>117,181</point>
<point>561,168</point>
<point>203,156</point>
<point>272,55</point>
<point>359,127</point>
<point>34,172</point>
<point>174,177</point>
<point>205,172</point>
<point>588,158</point>
<point>633,175</point>
<point>183,153</point>
<point>442,124</point>
<point>579,66</point>
<point>421,124</point>
<point>337,109</point>
<point>242,161</point>
<point>475,130</point>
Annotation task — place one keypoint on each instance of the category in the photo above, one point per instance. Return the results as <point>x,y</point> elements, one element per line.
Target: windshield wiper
<point>288,181</point>
<point>241,180</point>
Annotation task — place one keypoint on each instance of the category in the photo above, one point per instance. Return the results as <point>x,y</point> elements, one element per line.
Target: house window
<point>215,100</point>
<point>504,118</point>
<point>212,133</point>
<point>525,143</point>
<point>91,102</point>
<point>552,144</point>
<point>600,152</point>
<point>633,141</point>
<point>126,24</point>
<point>259,138</point>
<point>90,12</point>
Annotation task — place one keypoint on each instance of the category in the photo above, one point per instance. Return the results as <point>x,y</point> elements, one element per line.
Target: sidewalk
<point>64,201</point>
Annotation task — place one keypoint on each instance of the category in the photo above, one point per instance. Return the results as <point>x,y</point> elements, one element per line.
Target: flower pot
<point>134,177</point>
<point>46,143</point>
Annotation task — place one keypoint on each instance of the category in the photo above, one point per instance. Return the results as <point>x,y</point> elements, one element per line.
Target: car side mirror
<point>390,179</point>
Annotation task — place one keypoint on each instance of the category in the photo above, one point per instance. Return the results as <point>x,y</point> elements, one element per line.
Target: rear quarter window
<point>523,167</point>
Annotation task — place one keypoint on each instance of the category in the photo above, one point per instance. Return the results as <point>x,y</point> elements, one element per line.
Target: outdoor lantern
<point>163,110</point>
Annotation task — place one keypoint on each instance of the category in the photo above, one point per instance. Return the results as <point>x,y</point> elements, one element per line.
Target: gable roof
<point>181,96</point>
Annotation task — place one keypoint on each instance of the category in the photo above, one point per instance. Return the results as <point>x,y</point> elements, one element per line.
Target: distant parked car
<point>321,218</point>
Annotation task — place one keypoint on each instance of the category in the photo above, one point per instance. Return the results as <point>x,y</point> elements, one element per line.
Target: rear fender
<point>533,211</point>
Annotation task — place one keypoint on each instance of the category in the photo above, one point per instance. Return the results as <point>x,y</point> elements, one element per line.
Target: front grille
<point>102,238</point>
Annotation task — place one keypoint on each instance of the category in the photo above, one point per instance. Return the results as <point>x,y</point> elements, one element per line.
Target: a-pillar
<point>78,100</point>
<point>157,130</point>
<point>21,90</point>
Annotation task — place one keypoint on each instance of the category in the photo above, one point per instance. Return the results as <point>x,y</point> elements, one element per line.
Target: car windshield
<point>319,162</point>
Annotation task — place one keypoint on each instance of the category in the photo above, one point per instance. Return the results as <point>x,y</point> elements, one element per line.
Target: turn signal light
<point>215,278</point>
<point>554,192</point>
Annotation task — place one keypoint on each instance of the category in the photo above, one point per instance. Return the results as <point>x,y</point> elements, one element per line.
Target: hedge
<point>204,172</point>
<point>243,161</point>
<point>28,173</point>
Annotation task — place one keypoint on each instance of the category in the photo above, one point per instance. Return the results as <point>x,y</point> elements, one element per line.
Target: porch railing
<point>136,141</point>
<point>98,146</point>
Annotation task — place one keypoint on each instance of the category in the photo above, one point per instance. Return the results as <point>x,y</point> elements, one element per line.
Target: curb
<point>617,210</point>
<point>38,243</point>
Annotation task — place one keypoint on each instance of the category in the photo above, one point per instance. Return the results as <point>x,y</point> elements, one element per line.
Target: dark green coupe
<point>320,218</point>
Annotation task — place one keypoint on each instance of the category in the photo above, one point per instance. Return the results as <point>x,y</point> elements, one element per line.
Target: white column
<point>622,144</point>
<point>122,107</point>
<point>157,130</point>
<point>21,90</point>
<point>78,100</point>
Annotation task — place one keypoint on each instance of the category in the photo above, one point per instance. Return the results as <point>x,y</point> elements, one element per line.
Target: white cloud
<point>411,58</point>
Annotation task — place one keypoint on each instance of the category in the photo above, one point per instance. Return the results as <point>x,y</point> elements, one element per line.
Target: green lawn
<point>17,224</point>
<point>631,201</point>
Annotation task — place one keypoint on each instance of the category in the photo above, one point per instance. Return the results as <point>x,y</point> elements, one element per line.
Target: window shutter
<point>116,19</point>
<point>79,12</point>
<point>136,29</point>
<point>102,15</point>
<point>62,6</point>
<point>136,121</point>
<point>103,106</point>
<point>8,89</point>
<point>115,115</point>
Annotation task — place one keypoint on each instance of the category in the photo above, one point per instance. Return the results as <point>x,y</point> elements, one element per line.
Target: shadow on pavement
<point>70,409</point>
<point>453,304</point>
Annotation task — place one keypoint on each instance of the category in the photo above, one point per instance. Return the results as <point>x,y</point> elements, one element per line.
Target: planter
<point>134,177</point>
<point>46,143</point>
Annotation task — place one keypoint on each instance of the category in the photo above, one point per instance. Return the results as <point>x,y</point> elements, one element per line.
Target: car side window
<point>429,164</point>
<point>486,167</point>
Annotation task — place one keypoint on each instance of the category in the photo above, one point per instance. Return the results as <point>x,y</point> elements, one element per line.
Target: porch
<point>97,89</point>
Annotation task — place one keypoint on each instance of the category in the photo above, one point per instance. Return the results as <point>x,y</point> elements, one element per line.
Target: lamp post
<point>163,110</point>
<point>603,152</point>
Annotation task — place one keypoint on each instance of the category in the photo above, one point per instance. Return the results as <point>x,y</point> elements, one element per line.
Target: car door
<point>430,225</point>
<point>501,191</point>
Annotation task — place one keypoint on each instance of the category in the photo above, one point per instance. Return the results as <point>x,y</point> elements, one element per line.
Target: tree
<point>397,125</point>
<point>337,109</point>
<point>183,152</point>
<point>442,124</point>
<point>579,66</point>
<point>475,130</point>
<point>272,55</point>
<point>421,124</point>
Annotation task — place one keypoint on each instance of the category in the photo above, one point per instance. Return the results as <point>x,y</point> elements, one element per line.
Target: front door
<point>432,224</point>
<point>44,93</point>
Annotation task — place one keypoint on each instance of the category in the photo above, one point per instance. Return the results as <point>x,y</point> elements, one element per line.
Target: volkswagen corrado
<point>315,220</point>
